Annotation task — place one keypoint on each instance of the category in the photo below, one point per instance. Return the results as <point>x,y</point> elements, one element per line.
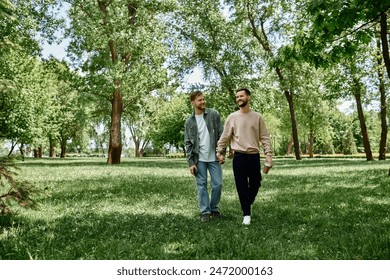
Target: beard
<point>242,103</point>
<point>201,107</point>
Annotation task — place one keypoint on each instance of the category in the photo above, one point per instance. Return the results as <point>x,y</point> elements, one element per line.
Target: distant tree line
<point>123,85</point>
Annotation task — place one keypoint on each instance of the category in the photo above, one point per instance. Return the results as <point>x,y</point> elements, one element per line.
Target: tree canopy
<point>124,78</point>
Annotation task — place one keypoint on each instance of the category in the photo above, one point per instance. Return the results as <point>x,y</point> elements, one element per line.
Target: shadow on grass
<point>107,236</point>
<point>277,232</point>
<point>323,163</point>
<point>128,162</point>
<point>315,215</point>
<point>332,224</point>
<point>125,236</point>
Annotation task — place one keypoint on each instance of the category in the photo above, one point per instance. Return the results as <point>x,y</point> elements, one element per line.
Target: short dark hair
<point>247,91</point>
<point>195,94</point>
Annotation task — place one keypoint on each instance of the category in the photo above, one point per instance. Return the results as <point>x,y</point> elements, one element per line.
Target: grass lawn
<point>147,209</point>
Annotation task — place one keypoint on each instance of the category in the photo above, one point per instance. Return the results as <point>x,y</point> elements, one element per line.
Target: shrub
<point>13,192</point>
<point>349,145</point>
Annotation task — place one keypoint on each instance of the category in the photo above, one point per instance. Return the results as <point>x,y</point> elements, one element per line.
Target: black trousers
<point>247,175</point>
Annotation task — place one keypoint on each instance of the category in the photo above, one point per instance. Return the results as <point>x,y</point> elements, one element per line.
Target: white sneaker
<point>246,221</point>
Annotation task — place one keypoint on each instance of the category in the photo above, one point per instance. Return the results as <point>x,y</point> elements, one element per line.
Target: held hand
<point>266,168</point>
<point>267,164</point>
<point>221,159</point>
<point>193,169</point>
<point>269,160</point>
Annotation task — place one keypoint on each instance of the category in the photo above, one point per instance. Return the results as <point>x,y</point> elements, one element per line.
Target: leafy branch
<point>19,191</point>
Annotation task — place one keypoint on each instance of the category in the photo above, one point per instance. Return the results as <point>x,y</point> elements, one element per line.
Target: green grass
<point>147,209</point>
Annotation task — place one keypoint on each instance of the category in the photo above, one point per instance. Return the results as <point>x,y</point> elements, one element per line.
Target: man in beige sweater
<point>245,130</point>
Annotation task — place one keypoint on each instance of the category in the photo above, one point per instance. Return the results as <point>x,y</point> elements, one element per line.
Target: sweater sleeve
<point>226,136</point>
<point>264,138</point>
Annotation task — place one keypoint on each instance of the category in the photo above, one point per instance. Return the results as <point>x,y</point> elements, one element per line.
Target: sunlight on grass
<point>147,209</point>
<point>177,248</point>
<point>375,200</point>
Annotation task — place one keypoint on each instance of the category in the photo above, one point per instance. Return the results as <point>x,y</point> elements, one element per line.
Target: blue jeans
<point>206,204</point>
<point>247,175</point>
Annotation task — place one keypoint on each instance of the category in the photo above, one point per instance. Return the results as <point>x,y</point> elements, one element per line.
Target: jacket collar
<point>206,111</point>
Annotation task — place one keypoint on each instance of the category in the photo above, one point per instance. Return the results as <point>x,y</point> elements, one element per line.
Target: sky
<point>56,50</point>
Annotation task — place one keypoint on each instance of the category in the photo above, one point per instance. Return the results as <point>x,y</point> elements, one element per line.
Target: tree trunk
<point>102,148</point>
<point>143,147</point>
<point>294,128</point>
<point>363,127</point>
<point>290,145</point>
<point>385,42</point>
<point>137,147</point>
<point>13,145</point>
<point>385,47</point>
<point>40,152</point>
<point>290,100</point>
<point>311,143</point>
<point>115,147</point>
<point>52,152</point>
<point>22,150</point>
<point>63,147</point>
<point>383,113</point>
<point>63,151</point>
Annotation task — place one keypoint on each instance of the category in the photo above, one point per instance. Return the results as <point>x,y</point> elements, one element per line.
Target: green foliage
<point>340,124</point>
<point>26,89</point>
<point>69,110</point>
<point>327,209</point>
<point>5,7</point>
<point>169,122</point>
<point>337,29</point>
<point>23,105</point>
<point>133,54</point>
<point>218,45</point>
<point>13,192</point>
<point>125,62</point>
<point>349,145</point>
<point>25,21</point>
<point>46,103</point>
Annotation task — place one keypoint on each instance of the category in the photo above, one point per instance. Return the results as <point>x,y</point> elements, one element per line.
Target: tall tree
<point>383,103</point>
<point>347,80</point>
<point>313,107</point>
<point>358,89</point>
<point>25,106</point>
<point>212,42</point>
<point>264,20</point>
<point>168,124</point>
<point>67,119</point>
<point>26,90</point>
<point>139,124</point>
<point>124,42</point>
<point>337,31</point>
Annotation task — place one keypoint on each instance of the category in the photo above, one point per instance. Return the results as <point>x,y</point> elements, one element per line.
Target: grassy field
<point>147,209</point>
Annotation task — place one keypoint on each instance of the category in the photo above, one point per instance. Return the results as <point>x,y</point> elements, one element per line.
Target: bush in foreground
<point>13,192</point>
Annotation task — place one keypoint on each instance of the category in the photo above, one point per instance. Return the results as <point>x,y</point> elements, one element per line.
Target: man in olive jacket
<point>201,134</point>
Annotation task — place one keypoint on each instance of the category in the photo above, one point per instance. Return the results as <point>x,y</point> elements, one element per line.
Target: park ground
<point>321,208</point>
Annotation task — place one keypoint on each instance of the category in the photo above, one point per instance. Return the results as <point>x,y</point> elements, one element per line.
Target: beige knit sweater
<point>245,132</point>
